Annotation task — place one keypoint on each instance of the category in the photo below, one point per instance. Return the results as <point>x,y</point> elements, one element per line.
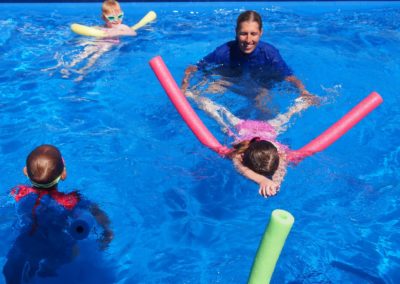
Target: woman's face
<point>248,36</point>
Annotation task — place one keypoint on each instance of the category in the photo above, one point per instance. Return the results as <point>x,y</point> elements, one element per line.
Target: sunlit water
<point>180,213</point>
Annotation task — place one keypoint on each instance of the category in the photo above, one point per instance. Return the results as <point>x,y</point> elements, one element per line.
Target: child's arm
<point>281,171</point>
<point>103,220</point>
<point>298,84</point>
<point>267,187</point>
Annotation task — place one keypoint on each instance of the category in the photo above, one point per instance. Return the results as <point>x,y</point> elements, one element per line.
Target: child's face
<point>113,18</point>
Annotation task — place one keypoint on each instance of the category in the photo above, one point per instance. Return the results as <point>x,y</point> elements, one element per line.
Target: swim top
<point>67,200</point>
<point>265,57</point>
<point>44,209</point>
<point>249,129</point>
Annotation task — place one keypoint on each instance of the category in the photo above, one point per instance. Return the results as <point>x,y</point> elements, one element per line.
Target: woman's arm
<point>298,84</point>
<point>313,99</point>
<point>267,187</point>
<point>188,74</point>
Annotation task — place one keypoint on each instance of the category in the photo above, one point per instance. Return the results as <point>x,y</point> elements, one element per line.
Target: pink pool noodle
<point>204,135</point>
<point>182,105</point>
<point>339,128</point>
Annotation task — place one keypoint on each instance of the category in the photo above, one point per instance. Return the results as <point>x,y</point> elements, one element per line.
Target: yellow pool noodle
<point>149,17</point>
<point>87,31</point>
<point>92,31</point>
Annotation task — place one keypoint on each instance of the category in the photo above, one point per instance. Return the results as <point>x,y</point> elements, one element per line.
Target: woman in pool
<point>246,55</point>
<point>257,154</point>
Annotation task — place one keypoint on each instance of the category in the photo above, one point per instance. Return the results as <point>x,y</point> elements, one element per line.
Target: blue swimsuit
<point>265,59</point>
<point>44,243</point>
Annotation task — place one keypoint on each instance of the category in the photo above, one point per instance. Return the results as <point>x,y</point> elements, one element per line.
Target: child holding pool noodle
<point>256,153</point>
<point>252,129</point>
<point>107,36</point>
<point>45,241</point>
<point>112,15</point>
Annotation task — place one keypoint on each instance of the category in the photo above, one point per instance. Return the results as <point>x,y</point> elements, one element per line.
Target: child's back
<point>45,216</point>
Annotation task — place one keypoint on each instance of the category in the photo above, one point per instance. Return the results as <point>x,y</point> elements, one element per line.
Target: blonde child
<point>112,15</point>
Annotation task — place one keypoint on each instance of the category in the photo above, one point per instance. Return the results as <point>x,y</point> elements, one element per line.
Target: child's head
<point>259,155</point>
<point>45,166</point>
<point>112,13</point>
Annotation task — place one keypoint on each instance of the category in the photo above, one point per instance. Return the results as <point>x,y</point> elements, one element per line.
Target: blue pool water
<point>180,213</point>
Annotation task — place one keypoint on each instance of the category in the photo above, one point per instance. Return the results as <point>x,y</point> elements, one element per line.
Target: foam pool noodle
<point>338,129</point>
<point>81,225</point>
<point>149,17</point>
<point>96,32</point>
<point>271,246</point>
<point>318,144</point>
<point>183,107</point>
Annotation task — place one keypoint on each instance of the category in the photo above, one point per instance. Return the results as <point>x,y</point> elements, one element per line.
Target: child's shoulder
<point>69,200</point>
<point>21,191</point>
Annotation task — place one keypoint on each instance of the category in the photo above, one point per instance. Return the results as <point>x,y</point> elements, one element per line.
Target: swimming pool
<point>180,213</point>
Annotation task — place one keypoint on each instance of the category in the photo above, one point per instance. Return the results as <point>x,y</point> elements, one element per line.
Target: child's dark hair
<point>44,164</point>
<point>249,16</point>
<point>258,155</point>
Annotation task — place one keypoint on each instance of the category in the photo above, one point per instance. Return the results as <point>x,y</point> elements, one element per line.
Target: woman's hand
<point>190,69</point>
<point>310,99</point>
<point>188,73</point>
<point>268,187</point>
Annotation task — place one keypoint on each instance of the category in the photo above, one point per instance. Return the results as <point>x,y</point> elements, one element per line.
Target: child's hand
<point>106,239</point>
<point>268,187</point>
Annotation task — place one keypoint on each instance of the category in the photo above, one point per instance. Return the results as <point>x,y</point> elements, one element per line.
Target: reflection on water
<point>180,213</point>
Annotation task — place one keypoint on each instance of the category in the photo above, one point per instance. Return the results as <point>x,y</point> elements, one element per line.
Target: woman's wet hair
<point>259,155</point>
<point>249,16</point>
<point>44,164</point>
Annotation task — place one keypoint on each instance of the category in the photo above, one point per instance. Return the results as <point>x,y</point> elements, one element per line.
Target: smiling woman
<point>247,54</point>
<point>181,214</point>
<point>248,31</point>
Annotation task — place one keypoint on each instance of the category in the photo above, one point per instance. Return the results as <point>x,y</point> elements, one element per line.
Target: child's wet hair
<point>110,6</point>
<point>259,155</point>
<point>44,164</point>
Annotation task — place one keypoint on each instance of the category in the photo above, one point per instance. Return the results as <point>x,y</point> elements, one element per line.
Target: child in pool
<point>256,154</point>
<point>112,15</point>
<point>44,242</point>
